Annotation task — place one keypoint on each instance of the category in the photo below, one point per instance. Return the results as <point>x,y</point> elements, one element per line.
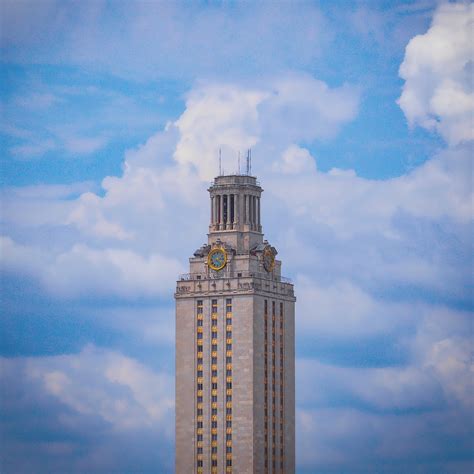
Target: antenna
<point>220,162</point>
<point>248,161</point>
<point>238,164</point>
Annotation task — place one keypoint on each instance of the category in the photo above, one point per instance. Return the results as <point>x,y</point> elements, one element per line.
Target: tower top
<point>235,180</point>
<point>235,210</point>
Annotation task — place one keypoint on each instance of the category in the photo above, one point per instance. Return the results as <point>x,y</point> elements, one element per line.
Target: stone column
<point>258,214</point>
<point>236,210</point>
<point>221,211</point>
<point>212,210</point>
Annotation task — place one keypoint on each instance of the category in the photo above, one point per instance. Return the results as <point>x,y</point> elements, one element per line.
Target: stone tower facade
<point>235,345</point>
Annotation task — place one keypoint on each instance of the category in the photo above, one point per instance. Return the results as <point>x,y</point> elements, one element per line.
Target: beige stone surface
<point>245,281</point>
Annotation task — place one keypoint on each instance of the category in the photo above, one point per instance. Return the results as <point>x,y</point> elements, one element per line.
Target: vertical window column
<point>228,375</point>
<point>282,385</point>
<point>199,386</point>
<point>273,390</point>
<point>213,387</point>
<point>265,382</point>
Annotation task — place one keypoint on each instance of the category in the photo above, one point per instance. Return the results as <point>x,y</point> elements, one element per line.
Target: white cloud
<point>88,272</point>
<point>84,145</point>
<point>287,110</point>
<point>109,385</point>
<point>437,70</point>
<point>122,273</point>
<point>295,160</point>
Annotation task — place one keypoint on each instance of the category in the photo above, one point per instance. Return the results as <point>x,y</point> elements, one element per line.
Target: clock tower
<point>235,335</point>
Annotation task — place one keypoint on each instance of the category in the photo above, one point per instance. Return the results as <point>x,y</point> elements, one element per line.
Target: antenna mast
<point>238,164</point>
<point>220,163</point>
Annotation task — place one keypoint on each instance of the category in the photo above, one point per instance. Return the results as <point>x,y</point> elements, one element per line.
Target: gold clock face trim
<point>268,260</point>
<point>217,259</point>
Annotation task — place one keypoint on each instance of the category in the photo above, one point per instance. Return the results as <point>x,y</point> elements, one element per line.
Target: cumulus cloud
<point>295,160</point>
<point>103,411</point>
<point>437,70</point>
<point>290,109</point>
<point>85,271</point>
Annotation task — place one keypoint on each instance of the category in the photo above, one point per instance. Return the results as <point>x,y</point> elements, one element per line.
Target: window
<point>200,322</point>
<point>214,386</point>
<point>228,360</point>
<point>214,306</point>
<point>228,305</point>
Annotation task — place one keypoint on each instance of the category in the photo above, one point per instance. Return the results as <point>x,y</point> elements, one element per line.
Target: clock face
<point>217,259</point>
<point>268,259</point>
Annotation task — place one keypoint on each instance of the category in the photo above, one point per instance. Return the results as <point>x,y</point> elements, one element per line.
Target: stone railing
<point>224,274</point>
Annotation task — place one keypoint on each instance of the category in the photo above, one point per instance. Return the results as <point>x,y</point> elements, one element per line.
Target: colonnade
<point>228,211</point>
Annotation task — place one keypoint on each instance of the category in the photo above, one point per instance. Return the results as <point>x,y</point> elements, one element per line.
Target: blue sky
<point>359,115</point>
